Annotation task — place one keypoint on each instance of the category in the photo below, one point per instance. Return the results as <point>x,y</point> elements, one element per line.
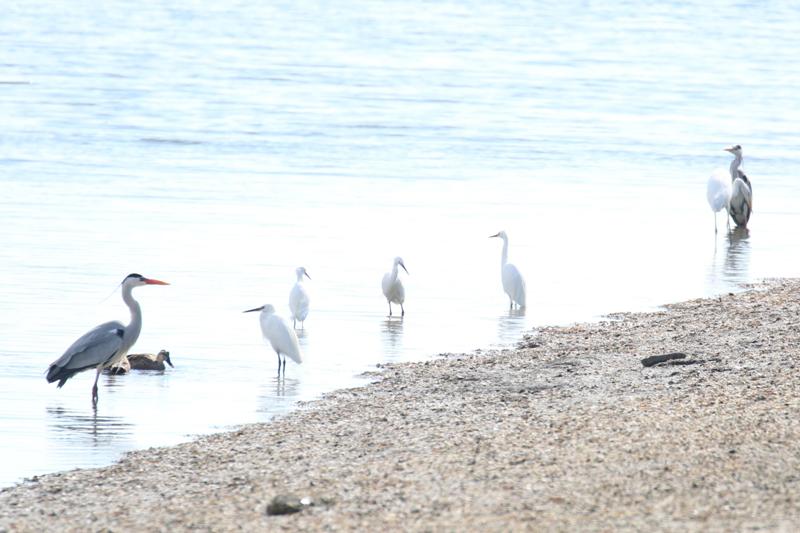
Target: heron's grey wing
<point>96,347</point>
<point>748,193</point>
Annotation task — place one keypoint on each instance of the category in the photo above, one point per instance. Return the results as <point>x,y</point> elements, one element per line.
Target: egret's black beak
<point>404,268</point>
<point>495,235</point>
<point>252,310</point>
<point>306,275</point>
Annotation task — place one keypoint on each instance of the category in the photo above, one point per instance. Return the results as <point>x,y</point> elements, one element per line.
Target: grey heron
<point>513,282</point>
<point>298,298</point>
<point>741,202</point>
<point>393,288</point>
<point>105,345</point>
<point>280,335</point>
<point>149,361</point>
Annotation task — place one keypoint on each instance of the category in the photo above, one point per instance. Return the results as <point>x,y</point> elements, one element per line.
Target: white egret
<point>298,298</point>
<point>107,344</point>
<point>149,361</point>
<point>718,193</point>
<point>393,288</point>
<point>741,200</point>
<point>513,282</point>
<point>280,335</point>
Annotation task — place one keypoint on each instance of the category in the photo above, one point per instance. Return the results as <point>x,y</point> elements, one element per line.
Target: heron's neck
<point>133,305</point>
<point>504,255</point>
<point>735,164</point>
<point>299,277</point>
<point>394,272</point>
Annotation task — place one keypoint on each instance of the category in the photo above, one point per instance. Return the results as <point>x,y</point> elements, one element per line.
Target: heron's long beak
<point>155,282</point>
<point>404,268</point>
<point>306,275</point>
<point>495,235</point>
<point>255,309</point>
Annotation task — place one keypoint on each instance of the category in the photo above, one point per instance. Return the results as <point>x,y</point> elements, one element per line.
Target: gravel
<point>567,431</point>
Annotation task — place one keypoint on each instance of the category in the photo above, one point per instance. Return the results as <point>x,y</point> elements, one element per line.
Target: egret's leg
<point>402,311</point>
<point>510,304</point>
<point>94,388</point>
<point>715,222</point>
<point>279,365</point>
<point>390,308</point>
<point>294,323</point>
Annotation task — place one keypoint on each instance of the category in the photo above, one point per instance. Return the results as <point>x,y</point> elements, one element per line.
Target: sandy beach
<point>567,431</point>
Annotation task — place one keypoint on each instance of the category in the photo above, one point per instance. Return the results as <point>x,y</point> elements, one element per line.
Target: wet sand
<point>567,431</point>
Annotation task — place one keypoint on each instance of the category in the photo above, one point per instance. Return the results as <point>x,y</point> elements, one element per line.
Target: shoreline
<point>568,430</point>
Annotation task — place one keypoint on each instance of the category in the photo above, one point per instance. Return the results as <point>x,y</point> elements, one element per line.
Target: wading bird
<point>741,201</point>
<point>149,361</point>
<point>513,283</point>
<point>280,335</point>
<point>298,299</point>
<point>393,287</point>
<point>718,194</point>
<point>105,345</point>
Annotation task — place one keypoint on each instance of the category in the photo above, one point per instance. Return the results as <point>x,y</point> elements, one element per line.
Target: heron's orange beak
<point>155,282</point>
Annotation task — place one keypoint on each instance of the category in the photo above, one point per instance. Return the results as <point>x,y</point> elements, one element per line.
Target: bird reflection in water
<point>732,269</point>
<point>510,325</point>
<point>392,336</point>
<point>278,395</point>
<point>75,425</point>
<point>737,256</point>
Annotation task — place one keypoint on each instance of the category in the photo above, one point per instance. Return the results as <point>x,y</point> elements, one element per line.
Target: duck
<point>149,361</point>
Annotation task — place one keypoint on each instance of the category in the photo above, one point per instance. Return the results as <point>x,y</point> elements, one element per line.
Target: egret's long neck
<point>504,255</point>
<point>299,277</point>
<point>394,272</point>
<point>737,161</point>
<point>135,325</point>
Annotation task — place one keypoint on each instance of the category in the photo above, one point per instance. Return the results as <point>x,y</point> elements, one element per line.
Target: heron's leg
<point>94,388</point>
<point>510,303</point>
<point>390,308</point>
<point>279,365</point>
<point>402,311</point>
<point>715,222</point>
<point>284,366</point>
<point>294,323</point>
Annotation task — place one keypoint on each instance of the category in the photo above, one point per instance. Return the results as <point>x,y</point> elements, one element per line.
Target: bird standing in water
<point>280,335</point>
<point>105,345</point>
<point>741,202</point>
<point>298,299</point>
<point>393,288</point>
<point>513,283</point>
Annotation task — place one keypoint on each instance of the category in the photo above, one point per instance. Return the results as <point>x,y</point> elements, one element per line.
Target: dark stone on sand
<point>284,504</point>
<point>656,359</point>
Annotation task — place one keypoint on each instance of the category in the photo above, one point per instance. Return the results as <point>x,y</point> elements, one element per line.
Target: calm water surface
<point>218,146</point>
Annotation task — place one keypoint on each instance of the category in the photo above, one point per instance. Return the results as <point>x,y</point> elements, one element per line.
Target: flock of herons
<point>107,345</point>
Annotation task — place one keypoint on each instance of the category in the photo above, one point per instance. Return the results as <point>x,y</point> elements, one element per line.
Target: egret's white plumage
<point>741,200</point>
<point>513,282</point>
<point>279,334</point>
<point>393,288</point>
<point>718,193</point>
<point>298,298</point>
<point>107,344</point>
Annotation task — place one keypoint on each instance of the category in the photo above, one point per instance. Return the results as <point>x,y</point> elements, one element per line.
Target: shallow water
<point>219,146</point>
